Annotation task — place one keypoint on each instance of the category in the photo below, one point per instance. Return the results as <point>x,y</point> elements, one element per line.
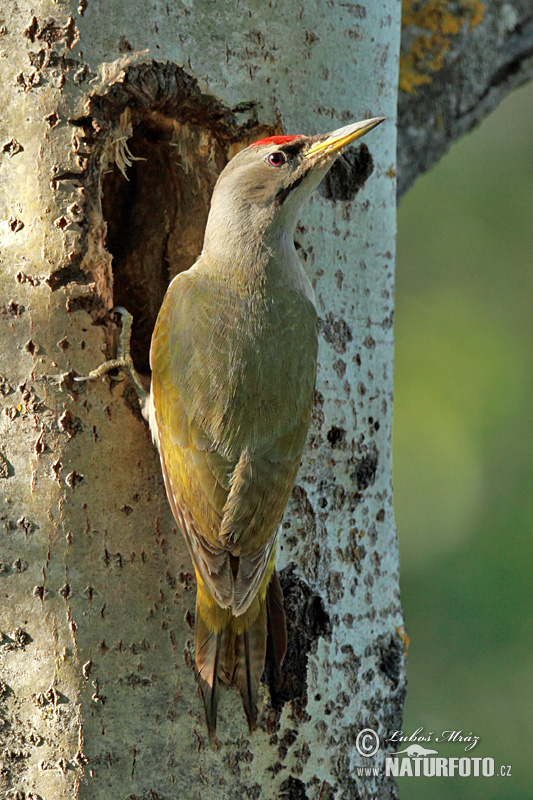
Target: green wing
<point>232,388</point>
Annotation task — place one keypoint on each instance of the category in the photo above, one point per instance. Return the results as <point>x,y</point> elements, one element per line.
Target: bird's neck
<point>249,251</point>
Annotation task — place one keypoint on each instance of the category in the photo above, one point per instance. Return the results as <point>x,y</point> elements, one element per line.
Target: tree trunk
<point>458,61</point>
<point>99,698</point>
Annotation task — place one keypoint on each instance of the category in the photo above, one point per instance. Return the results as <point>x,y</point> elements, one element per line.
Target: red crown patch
<point>276,140</point>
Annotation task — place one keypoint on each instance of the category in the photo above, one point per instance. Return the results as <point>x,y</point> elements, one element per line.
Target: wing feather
<point>230,429</point>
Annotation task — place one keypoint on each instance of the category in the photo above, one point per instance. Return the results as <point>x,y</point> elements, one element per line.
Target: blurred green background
<point>463,450</point>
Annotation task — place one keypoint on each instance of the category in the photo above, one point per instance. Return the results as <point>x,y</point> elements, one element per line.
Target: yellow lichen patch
<point>402,633</point>
<point>433,27</point>
<point>477,13</point>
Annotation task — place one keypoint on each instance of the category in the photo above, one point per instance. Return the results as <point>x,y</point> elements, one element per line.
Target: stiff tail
<point>235,654</point>
<point>210,648</point>
<point>277,632</point>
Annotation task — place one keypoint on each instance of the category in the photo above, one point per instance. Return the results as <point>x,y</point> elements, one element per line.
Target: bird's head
<point>267,183</point>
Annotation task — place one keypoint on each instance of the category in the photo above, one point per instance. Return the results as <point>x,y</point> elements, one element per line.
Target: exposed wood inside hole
<point>156,216</point>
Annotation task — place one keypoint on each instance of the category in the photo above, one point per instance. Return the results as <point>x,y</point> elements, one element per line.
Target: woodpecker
<point>233,359</point>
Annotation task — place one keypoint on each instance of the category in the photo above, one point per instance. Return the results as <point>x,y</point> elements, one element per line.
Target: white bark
<point>100,699</point>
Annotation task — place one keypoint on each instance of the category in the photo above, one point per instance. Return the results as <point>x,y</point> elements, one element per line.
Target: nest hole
<point>155,207</point>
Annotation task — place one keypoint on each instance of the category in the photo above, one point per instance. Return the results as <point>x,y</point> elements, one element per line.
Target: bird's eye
<point>277,159</point>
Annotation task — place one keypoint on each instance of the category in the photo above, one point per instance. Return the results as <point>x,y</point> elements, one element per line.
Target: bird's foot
<point>123,362</point>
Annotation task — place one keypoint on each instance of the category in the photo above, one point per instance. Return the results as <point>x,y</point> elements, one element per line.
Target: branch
<point>458,61</point>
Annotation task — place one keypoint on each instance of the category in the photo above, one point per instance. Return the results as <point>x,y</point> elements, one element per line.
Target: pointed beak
<point>329,143</point>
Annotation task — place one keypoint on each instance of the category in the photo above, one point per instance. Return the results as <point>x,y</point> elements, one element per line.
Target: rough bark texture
<point>98,695</point>
<point>458,60</point>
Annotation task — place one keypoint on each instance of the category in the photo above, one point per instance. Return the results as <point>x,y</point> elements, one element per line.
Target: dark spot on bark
<point>15,225</point>
<point>391,659</point>
<point>365,469</point>
<point>369,343</point>
<point>317,414</point>
<point>68,384</point>
<point>336,436</point>
<point>37,59</point>
<point>62,223</point>
<point>51,32</point>
<point>64,276</point>
<point>288,738</point>
<point>131,401</point>
<point>32,29</point>
<point>380,516</point>
<point>52,119</point>
<point>124,46</point>
<point>336,332</point>
<point>372,534</point>
<point>187,580</point>
<point>340,368</point>
<point>21,277</point>
<point>307,621</point>
<point>39,591</point>
<point>5,387</point>
<point>12,147</point>
<point>70,424</point>
<point>388,322</point>
<point>19,565</point>
<point>327,792</point>
<point>40,444</point>
<point>21,638</point>
<point>74,478</point>
<point>13,309</point>
<point>6,468</point>
<point>292,789</point>
<point>348,174</point>
<point>335,587</point>
<point>26,525</point>
<point>87,301</point>
<point>65,591</point>
<point>351,664</point>
<point>305,509</point>
<point>32,347</point>
<point>74,178</point>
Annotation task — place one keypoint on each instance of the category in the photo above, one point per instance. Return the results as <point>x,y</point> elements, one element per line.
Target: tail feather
<point>209,647</point>
<point>250,650</point>
<point>277,632</point>
<point>236,654</point>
